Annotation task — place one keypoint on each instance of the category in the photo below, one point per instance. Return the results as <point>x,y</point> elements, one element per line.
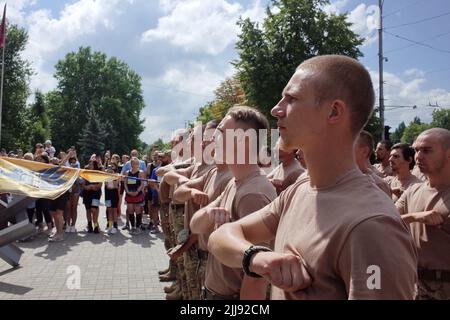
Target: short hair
<point>344,78</point>
<point>39,145</point>
<point>387,144</point>
<point>407,152</point>
<point>249,115</point>
<point>213,124</point>
<point>442,134</point>
<point>72,159</point>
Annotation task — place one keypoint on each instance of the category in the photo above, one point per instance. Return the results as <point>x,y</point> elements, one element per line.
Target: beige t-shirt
<point>240,198</point>
<point>395,183</point>
<point>385,171</point>
<point>288,174</point>
<point>344,233</point>
<point>433,243</point>
<point>379,182</point>
<point>213,184</point>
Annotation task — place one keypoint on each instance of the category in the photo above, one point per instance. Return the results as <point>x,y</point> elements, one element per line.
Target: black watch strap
<point>248,254</point>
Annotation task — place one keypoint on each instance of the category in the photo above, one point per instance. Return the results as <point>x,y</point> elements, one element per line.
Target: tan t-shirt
<point>213,184</point>
<point>385,171</point>
<point>395,183</point>
<point>288,174</point>
<point>240,198</point>
<point>433,243</point>
<point>379,182</point>
<point>343,233</point>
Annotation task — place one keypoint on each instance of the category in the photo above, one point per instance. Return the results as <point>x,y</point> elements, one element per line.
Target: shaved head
<point>442,135</point>
<point>342,78</point>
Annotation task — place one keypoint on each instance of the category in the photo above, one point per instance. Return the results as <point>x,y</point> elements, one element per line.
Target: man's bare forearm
<point>182,194</point>
<point>228,244</point>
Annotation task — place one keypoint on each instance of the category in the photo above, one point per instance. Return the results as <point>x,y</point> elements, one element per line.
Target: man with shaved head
<point>337,236</point>
<point>426,208</point>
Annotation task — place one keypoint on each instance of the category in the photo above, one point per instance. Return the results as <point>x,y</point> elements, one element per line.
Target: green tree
<point>92,137</point>
<point>38,127</point>
<point>297,30</point>
<point>15,91</point>
<point>441,118</point>
<point>413,130</point>
<point>398,133</point>
<point>227,94</point>
<point>88,82</point>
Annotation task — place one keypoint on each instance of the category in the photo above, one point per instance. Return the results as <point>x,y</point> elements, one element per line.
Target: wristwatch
<point>248,254</point>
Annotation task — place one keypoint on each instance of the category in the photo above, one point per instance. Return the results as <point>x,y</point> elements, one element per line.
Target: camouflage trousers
<point>433,290</point>
<point>177,221</point>
<point>166,226</point>
<point>169,241</point>
<point>202,272</point>
<point>192,268</point>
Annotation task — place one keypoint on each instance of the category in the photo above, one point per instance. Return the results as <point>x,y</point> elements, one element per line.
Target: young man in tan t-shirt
<point>382,153</point>
<point>426,208</point>
<point>402,161</point>
<point>337,236</point>
<point>249,191</point>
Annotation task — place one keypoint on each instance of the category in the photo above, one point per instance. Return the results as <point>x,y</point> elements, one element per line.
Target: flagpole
<point>3,70</point>
<point>1,92</point>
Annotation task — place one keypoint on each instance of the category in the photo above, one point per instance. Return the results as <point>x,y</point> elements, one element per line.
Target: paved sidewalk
<point>119,266</point>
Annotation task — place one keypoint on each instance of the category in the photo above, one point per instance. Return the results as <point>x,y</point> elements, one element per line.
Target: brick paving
<point>118,266</point>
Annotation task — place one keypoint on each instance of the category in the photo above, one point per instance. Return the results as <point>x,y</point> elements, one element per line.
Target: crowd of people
<point>324,224</point>
<point>60,215</point>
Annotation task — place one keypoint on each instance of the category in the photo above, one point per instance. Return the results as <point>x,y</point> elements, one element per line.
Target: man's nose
<point>278,111</point>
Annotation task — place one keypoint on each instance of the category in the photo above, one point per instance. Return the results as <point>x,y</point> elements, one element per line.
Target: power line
<point>402,8</point>
<point>413,44</point>
<point>419,21</point>
<point>417,42</point>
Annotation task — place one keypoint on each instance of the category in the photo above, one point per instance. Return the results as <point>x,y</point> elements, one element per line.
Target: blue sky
<point>182,48</point>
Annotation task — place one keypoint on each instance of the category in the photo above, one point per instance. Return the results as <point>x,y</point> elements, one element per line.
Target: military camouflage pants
<point>166,226</point>
<point>201,273</point>
<point>177,219</point>
<point>192,266</point>
<point>433,290</point>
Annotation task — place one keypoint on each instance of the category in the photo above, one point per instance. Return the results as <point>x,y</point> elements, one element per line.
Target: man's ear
<point>336,111</point>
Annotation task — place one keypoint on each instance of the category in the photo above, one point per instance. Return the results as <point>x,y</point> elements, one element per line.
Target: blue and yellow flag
<point>40,180</point>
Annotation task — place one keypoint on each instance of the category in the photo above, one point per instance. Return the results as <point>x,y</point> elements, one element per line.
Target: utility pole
<point>381,60</point>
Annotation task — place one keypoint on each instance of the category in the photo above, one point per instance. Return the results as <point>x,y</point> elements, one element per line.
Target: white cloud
<point>400,92</point>
<point>15,10</point>
<point>414,73</point>
<point>195,78</point>
<point>335,6</point>
<point>201,26</point>
<point>160,128</point>
<point>47,34</point>
<point>364,21</point>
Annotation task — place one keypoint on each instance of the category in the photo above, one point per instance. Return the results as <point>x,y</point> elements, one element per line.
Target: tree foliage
<point>14,133</point>
<point>89,83</point>
<point>296,31</point>
<point>228,94</point>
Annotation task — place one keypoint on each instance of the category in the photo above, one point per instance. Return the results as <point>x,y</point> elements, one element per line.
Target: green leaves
<point>92,85</point>
<point>296,31</point>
